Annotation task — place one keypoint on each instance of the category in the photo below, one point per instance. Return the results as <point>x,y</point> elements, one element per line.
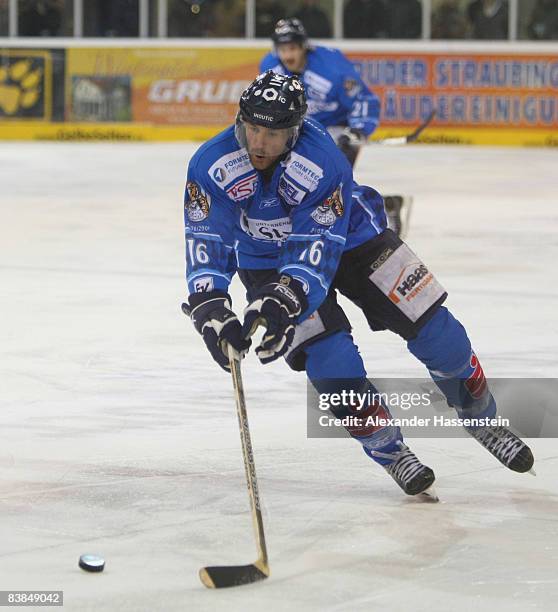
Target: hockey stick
<point>221,576</point>
<point>400,140</point>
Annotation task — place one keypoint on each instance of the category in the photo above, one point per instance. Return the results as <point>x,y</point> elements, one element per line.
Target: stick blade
<point>223,576</point>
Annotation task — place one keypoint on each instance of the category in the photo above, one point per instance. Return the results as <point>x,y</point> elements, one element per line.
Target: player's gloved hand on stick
<point>275,307</point>
<point>213,318</point>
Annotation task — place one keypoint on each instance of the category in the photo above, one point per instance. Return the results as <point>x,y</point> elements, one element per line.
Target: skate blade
<point>532,471</point>
<point>429,496</point>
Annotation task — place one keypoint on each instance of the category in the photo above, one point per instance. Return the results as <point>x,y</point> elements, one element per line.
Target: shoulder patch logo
<point>197,203</point>
<point>330,209</point>
<point>335,201</point>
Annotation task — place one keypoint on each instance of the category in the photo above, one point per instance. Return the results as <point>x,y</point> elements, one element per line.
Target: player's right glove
<point>275,306</point>
<point>213,318</point>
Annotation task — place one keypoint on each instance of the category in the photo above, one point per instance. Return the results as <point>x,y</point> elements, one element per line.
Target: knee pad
<point>444,348</point>
<point>442,343</point>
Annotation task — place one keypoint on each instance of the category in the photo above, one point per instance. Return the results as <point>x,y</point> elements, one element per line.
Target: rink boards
<point>83,90</point>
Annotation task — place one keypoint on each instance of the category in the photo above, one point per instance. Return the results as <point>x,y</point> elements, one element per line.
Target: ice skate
<point>510,450</point>
<point>404,467</point>
<point>398,210</point>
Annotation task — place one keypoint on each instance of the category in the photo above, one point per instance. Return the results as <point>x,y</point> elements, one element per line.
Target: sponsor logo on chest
<point>304,171</point>
<point>229,167</point>
<point>290,192</point>
<point>276,230</point>
<point>317,83</point>
<point>243,188</point>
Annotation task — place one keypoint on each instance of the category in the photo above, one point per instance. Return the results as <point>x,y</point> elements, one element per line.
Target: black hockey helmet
<point>274,101</point>
<point>289,31</point>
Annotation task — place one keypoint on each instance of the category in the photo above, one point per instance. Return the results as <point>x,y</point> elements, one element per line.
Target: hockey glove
<point>216,322</point>
<point>276,307</point>
<point>349,143</point>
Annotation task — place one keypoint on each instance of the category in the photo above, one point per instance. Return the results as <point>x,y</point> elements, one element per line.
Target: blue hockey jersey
<point>299,222</point>
<point>335,92</point>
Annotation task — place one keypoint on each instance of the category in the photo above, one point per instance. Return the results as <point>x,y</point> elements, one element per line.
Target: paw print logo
<point>20,86</point>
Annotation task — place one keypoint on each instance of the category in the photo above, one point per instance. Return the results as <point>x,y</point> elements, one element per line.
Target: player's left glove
<point>275,306</point>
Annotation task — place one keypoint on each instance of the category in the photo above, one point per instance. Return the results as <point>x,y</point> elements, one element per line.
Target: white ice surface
<point>118,434</point>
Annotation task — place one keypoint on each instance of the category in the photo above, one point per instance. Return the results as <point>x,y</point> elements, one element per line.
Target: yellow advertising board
<point>196,87</point>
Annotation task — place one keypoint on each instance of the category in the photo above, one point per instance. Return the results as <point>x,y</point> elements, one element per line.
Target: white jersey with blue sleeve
<point>336,94</point>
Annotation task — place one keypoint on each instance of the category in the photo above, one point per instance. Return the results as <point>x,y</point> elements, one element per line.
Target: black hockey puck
<point>92,563</point>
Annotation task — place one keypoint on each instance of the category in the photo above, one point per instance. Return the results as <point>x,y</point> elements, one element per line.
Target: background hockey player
<point>337,96</point>
<point>272,199</point>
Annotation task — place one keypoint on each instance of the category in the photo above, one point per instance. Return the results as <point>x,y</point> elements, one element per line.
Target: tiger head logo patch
<point>197,202</point>
<point>330,209</point>
<point>335,202</point>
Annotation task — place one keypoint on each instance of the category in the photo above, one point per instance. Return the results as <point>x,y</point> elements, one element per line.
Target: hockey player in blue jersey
<point>337,97</point>
<point>273,199</point>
